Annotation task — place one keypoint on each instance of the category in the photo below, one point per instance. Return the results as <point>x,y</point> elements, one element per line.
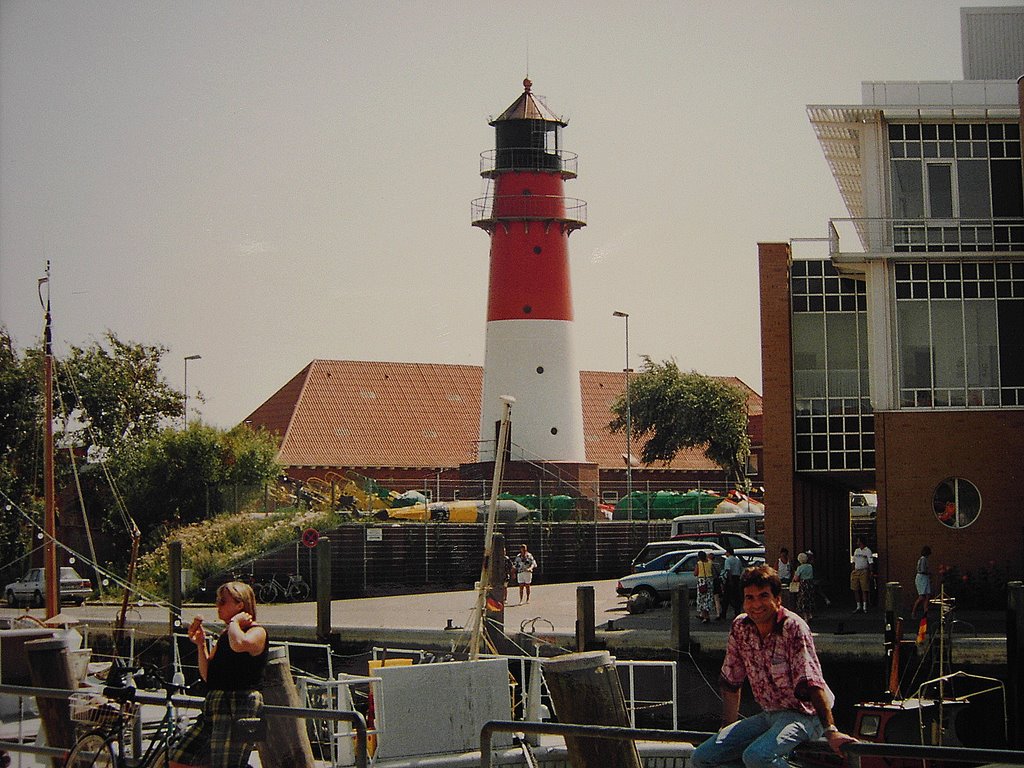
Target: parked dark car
<point>657,548</point>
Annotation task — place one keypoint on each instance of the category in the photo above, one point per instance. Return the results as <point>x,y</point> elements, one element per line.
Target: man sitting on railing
<point>773,649</point>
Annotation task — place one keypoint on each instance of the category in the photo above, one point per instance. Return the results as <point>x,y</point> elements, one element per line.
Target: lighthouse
<point>530,352</point>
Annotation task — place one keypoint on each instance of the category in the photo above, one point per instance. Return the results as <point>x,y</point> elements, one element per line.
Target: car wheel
<point>648,594</point>
<point>37,599</point>
<point>11,600</point>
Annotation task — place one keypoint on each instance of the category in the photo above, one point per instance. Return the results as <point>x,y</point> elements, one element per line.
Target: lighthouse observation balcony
<point>490,210</point>
<point>495,161</point>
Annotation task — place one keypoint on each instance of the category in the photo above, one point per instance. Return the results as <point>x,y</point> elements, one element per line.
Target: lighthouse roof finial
<point>529,106</point>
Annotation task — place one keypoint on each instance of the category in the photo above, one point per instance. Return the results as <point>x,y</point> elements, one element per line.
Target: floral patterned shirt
<point>782,667</point>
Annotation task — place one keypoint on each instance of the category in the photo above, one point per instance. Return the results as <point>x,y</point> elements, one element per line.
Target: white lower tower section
<point>534,361</point>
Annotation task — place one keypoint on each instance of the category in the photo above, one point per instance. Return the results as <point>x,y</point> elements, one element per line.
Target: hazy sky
<point>265,183</point>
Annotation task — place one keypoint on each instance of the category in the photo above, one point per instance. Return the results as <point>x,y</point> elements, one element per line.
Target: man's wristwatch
<point>831,729</point>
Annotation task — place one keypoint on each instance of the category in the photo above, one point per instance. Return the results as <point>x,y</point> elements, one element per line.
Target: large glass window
<point>960,334</point>
<point>966,177</point>
<point>834,426</point>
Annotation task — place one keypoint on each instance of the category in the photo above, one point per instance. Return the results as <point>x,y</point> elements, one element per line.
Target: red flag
<point>922,630</point>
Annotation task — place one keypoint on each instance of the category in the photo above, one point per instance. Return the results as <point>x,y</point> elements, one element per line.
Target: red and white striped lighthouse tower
<point>530,352</point>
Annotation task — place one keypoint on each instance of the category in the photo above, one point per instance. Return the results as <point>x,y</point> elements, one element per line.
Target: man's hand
<point>837,740</point>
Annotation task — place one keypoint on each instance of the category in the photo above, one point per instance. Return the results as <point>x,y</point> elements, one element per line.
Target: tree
<point>671,410</point>
<point>114,394</point>
<point>182,476</point>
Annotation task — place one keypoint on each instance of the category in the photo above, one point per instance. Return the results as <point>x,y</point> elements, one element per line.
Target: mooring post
<point>48,665</point>
<point>323,589</point>
<point>585,612</point>
<point>1014,650</point>
<point>287,743</point>
<point>585,690</point>
<point>174,576</point>
<point>681,620</point>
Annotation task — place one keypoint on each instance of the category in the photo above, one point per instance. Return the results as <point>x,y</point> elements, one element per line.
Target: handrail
<point>529,159</point>
<point>854,751</point>
<point>271,710</point>
<point>529,207</point>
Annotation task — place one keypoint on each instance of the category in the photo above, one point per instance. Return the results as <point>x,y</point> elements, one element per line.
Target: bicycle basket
<point>96,710</point>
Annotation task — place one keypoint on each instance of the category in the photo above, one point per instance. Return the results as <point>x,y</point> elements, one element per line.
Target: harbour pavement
<point>442,620</point>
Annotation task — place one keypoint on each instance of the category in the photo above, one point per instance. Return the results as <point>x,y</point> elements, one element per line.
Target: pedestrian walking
<point>785,570</point>
<point>804,577</point>
<point>773,649</point>
<point>923,583</point>
<point>860,576</point>
<point>525,564</point>
<point>732,596</point>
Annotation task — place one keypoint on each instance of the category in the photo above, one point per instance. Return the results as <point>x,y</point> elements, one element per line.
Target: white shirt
<point>861,558</point>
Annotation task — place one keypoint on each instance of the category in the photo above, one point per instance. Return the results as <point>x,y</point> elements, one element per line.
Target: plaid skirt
<point>213,740</point>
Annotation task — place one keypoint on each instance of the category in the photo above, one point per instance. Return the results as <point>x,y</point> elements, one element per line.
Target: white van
<point>750,523</point>
<point>863,506</point>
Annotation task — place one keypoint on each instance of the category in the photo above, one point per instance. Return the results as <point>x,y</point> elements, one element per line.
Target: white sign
<point>375,534</point>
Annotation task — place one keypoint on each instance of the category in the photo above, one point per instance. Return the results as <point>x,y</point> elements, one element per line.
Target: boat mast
<point>492,514</point>
<point>49,495</point>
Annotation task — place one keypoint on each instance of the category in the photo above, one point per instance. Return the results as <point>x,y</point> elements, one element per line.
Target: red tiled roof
<point>347,413</point>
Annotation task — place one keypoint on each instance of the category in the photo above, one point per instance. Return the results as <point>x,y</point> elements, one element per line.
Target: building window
<point>956,502</point>
<point>834,426</point>
<point>956,187</point>
<point>960,334</point>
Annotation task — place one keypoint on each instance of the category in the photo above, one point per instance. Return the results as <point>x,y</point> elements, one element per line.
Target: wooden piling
<point>585,690</point>
<point>323,589</point>
<point>585,618</point>
<point>287,743</point>
<point>1014,652</point>
<point>48,663</point>
<point>174,587</point>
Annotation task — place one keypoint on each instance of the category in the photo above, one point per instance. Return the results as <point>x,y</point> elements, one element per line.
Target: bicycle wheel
<point>92,749</point>
<point>268,592</point>
<point>298,591</point>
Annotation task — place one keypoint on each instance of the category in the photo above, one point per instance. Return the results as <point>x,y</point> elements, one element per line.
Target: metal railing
<point>898,235</point>
<point>357,721</point>
<point>853,751</point>
<point>528,159</point>
<point>485,211</point>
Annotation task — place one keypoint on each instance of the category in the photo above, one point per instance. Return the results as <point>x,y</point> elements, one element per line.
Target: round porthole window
<point>956,502</point>
<point>554,430</point>
<point>540,369</point>
<point>527,309</point>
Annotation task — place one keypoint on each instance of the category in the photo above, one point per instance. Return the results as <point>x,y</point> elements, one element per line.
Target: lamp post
<point>629,426</point>
<point>185,414</point>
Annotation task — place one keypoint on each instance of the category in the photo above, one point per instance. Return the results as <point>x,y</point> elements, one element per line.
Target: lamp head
<point>616,313</point>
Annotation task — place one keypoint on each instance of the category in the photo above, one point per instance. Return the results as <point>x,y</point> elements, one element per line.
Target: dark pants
<point>733,597</point>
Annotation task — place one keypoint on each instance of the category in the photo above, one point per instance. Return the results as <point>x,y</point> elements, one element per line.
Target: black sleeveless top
<point>233,671</point>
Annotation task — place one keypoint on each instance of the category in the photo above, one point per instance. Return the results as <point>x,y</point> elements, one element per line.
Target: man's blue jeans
<point>760,741</point>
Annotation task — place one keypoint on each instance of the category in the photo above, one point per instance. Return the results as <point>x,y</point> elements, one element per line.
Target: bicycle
<point>112,718</point>
<point>296,590</point>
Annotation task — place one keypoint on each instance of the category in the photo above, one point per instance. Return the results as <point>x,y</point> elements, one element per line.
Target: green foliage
<point>178,477</point>
<point>227,542</point>
<point>21,437</point>
<point>116,394</point>
<point>671,410</point>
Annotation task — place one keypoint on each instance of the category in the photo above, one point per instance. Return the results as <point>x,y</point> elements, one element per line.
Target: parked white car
<point>658,585</point>
<point>31,588</point>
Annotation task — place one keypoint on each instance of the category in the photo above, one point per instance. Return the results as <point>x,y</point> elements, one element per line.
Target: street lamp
<point>629,426</point>
<point>185,414</point>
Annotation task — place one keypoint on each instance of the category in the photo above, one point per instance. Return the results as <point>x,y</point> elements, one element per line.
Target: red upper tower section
<point>527,214</point>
